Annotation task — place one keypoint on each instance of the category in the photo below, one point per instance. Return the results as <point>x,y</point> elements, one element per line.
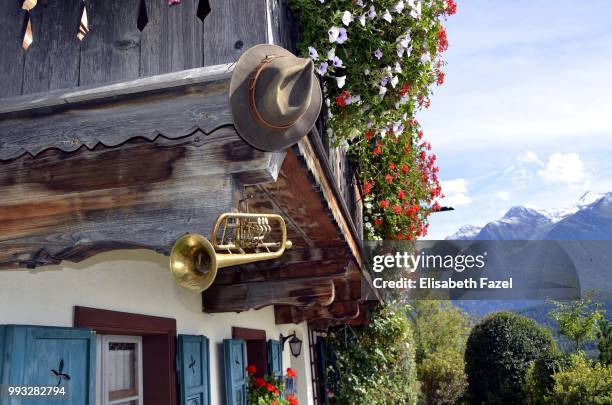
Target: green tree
<point>500,351</point>
<point>604,335</point>
<point>374,363</point>
<point>583,383</point>
<point>440,331</point>
<point>577,319</point>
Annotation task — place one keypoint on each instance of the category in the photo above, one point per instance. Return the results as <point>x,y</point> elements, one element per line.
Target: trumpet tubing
<point>237,238</point>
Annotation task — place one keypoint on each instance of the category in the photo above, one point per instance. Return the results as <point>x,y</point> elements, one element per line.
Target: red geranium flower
<point>405,168</point>
<point>292,399</point>
<point>391,166</point>
<point>270,387</point>
<point>442,40</point>
<point>401,195</point>
<point>389,178</point>
<point>451,7</point>
<point>378,221</point>
<point>369,135</point>
<point>397,209</point>
<point>367,187</point>
<point>377,149</point>
<point>291,372</point>
<point>251,369</point>
<point>384,204</point>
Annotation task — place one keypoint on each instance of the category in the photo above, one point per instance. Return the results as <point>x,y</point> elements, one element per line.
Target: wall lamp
<point>295,344</point>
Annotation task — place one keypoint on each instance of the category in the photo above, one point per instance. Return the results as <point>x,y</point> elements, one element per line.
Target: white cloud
<point>524,167</point>
<point>503,195</point>
<point>455,192</point>
<point>564,168</point>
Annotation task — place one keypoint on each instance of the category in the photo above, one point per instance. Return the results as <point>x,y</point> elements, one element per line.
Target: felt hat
<point>275,97</point>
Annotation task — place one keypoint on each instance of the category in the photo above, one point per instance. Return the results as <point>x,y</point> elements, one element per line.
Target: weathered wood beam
<point>69,206</point>
<point>293,292</point>
<point>173,105</point>
<point>337,311</point>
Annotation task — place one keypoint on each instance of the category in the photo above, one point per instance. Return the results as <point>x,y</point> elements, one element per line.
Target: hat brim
<point>255,135</point>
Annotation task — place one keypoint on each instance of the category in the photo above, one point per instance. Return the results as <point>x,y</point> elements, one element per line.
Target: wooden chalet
<point>117,138</point>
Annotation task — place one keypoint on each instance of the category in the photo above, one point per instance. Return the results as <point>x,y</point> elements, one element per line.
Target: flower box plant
<point>378,62</point>
<point>268,390</point>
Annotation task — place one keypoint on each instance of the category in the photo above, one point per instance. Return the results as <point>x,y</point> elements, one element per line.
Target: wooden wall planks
<point>52,61</point>
<point>111,50</point>
<point>12,18</point>
<point>232,27</point>
<point>174,39</point>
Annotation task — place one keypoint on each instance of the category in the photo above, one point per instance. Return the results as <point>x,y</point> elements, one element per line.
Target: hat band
<point>253,107</point>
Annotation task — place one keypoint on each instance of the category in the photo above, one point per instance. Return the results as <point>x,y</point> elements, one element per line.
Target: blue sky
<point>525,115</point>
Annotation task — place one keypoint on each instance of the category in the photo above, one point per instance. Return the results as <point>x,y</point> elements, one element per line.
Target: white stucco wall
<point>137,282</point>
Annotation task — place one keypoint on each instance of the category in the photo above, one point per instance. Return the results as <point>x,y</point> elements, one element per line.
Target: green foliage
<point>583,383</point>
<point>577,319</point>
<point>440,332</point>
<point>442,377</point>
<point>375,363</point>
<point>438,326</point>
<point>377,62</point>
<point>604,335</point>
<point>500,351</point>
<point>540,379</point>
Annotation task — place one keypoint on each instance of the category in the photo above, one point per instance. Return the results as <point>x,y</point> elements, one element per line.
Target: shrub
<point>540,379</point>
<point>584,383</point>
<point>442,377</point>
<point>499,353</point>
<point>374,363</point>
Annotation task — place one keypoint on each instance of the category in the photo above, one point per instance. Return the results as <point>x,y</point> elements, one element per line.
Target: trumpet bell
<point>193,262</point>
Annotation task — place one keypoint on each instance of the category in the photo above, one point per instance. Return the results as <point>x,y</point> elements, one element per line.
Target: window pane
<point>121,370</point>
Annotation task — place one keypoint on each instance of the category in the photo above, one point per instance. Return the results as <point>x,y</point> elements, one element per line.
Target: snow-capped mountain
<point>466,232</point>
<point>590,218</point>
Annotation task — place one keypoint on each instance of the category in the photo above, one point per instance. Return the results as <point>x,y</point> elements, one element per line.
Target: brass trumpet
<point>237,238</point>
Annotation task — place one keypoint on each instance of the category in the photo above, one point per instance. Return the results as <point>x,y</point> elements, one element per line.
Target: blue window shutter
<point>194,369</point>
<point>49,356</point>
<point>275,358</point>
<point>235,360</point>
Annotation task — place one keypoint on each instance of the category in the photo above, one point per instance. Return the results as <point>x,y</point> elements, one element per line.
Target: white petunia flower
<point>382,91</point>
<point>398,67</point>
<point>362,19</point>
<point>415,9</point>
<point>398,7</point>
<point>333,33</point>
<point>372,13</point>
<point>394,80</point>
<point>314,55</point>
<point>340,81</point>
<point>360,3</point>
<point>387,16</point>
<point>342,35</point>
<point>322,68</point>
<point>378,54</point>
<point>337,62</point>
<point>347,18</point>
<point>366,71</point>
<point>331,54</point>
